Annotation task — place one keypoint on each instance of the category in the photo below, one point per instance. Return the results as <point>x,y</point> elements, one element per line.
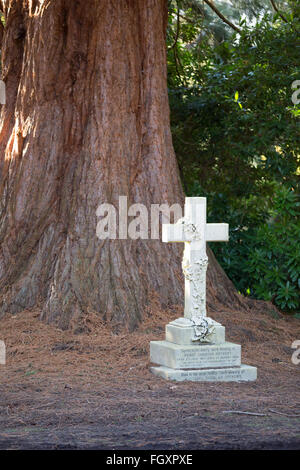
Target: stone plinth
<point>184,356</point>
<point>200,356</point>
<point>181,331</point>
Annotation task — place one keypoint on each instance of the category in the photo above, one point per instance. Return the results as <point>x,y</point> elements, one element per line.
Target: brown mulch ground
<point>92,389</point>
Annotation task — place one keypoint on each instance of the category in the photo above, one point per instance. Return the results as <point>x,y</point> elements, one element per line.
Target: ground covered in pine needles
<point>90,388</point>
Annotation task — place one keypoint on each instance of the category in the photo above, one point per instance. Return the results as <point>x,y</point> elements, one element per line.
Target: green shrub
<point>274,259</point>
<point>262,257</point>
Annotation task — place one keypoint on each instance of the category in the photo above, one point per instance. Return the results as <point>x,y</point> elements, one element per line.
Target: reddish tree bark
<point>86,120</point>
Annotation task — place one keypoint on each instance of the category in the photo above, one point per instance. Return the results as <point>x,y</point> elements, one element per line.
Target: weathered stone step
<point>231,374</point>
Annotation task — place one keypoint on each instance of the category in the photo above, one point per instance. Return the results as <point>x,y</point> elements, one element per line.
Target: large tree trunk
<point>86,120</point>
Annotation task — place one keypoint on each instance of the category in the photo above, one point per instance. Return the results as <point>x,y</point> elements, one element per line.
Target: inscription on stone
<point>222,356</point>
<point>216,375</point>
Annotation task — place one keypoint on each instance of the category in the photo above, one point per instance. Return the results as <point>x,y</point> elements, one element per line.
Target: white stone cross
<point>193,230</point>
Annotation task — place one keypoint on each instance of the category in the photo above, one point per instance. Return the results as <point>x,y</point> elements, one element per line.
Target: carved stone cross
<point>193,230</point>
<point>195,347</point>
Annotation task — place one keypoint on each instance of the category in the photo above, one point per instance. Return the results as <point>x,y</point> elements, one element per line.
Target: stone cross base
<point>182,331</point>
<point>183,356</point>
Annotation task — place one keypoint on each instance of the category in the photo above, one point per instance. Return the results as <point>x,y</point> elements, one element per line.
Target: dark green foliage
<point>274,261</point>
<point>237,139</point>
<point>263,258</point>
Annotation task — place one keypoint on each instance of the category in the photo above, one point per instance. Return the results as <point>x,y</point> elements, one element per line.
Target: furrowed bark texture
<point>86,120</point>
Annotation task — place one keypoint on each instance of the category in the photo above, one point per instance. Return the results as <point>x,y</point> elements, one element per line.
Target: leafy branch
<point>220,15</point>
<point>278,11</point>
